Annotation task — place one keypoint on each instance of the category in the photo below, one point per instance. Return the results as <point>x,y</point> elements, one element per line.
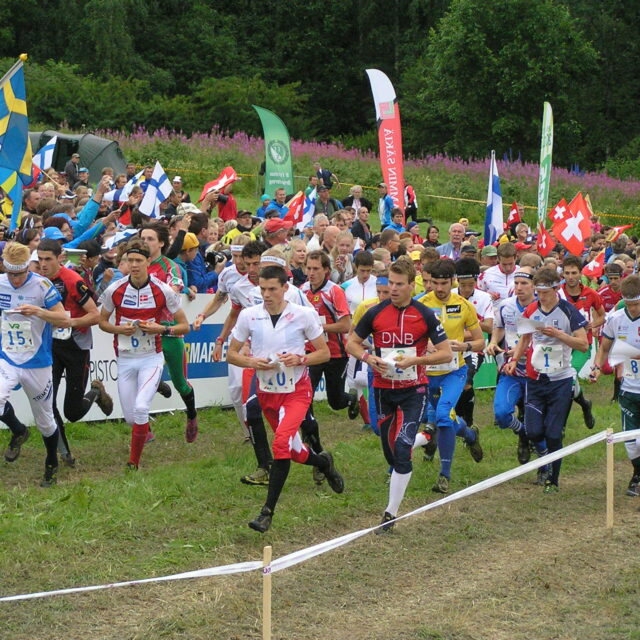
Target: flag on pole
<point>122,194</point>
<point>514,214</point>
<point>546,149</point>
<point>571,224</point>
<point>301,209</point>
<point>158,191</point>
<point>12,200</point>
<point>595,268</point>
<point>493,221</point>
<point>226,177</point>
<point>43,159</point>
<point>389,135</point>
<point>616,232</point>
<point>544,242</point>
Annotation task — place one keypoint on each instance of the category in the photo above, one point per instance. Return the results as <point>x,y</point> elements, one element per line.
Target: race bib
<point>138,343</point>
<point>511,338</point>
<point>62,334</point>
<point>388,354</point>
<point>17,336</point>
<point>631,369</point>
<point>547,358</point>
<point>280,380</point>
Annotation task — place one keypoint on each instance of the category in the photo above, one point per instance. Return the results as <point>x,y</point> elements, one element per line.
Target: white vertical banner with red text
<point>389,134</point>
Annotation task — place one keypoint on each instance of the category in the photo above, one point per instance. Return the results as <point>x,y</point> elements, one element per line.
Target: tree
<point>489,66</point>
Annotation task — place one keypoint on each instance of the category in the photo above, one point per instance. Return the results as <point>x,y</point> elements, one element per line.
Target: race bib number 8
<point>276,380</point>
<point>17,336</point>
<point>631,369</point>
<point>140,342</point>
<point>547,358</point>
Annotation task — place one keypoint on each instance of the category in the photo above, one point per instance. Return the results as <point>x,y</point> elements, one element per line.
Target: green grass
<point>186,509</point>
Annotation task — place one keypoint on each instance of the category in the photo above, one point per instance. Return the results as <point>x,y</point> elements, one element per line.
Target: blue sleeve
<point>198,276</point>
<point>85,218</point>
<point>576,319</point>
<point>89,234</point>
<point>51,297</point>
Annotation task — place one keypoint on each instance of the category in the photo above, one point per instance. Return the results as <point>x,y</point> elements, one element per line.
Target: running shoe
<point>441,485</point>
<point>50,473</point>
<point>259,477</point>
<point>262,521</point>
<point>131,466</point>
<point>104,400</point>
<point>68,460</point>
<point>431,447</point>
<point>334,479</point>
<point>633,489</point>
<point>541,476</point>
<point>524,450</point>
<point>475,449</point>
<point>587,414</point>
<point>354,406</point>
<point>150,437</point>
<point>550,487</point>
<point>15,444</point>
<point>191,430</point>
<point>164,389</point>
<point>388,522</point>
<point>318,476</point>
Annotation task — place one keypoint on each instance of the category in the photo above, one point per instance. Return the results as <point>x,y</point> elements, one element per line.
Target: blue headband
<point>381,281</point>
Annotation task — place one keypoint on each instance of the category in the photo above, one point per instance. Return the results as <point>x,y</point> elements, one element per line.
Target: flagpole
<point>21,60</point>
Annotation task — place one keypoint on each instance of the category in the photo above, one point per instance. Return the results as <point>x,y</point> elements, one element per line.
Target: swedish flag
<point>15,147</point>
<point>10,197</point>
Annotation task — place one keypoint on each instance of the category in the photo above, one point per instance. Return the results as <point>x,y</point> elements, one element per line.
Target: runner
<point>510,389</point>
<point>72,345</point>
<point>447,380</point>
<point>25,352</point>
<point>139,302</point>
<point>550,328</point>
<point>498,280</point>
<point>156,237</point>
<point>401,329</point>
<point>278,331</point>
<point>624,325</point>
<point>589,304</point>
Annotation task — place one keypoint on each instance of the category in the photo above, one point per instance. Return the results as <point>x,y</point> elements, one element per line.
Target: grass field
<point>510,563</point>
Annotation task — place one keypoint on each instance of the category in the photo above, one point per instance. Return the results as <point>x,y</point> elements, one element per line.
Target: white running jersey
<point>295,326</point>
<point>26,341</point>
<point>494,280</point>
<point>619,326</point>
<point>228,277</point>
<point>482,302</point>
<point>245,294</point>
<point>356,292</point>
<point>509,312</point>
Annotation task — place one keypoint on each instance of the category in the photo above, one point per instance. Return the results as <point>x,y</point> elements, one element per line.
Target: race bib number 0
<point>631,369</point>
<point>140,342</point>
<point>389,354</point>
<point>62,334</point>
<point>276,380</point>
<point>547,358</point>
<point>17,336</point>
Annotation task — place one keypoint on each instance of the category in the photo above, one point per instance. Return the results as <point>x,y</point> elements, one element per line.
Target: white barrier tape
<point>240,567</point>
<point>305,554</point>
<point>623,436</point>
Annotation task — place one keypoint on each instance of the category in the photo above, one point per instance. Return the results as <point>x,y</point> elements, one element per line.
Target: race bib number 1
<point>17,336</point>
<point>547,358</point>
<point>276,380</point>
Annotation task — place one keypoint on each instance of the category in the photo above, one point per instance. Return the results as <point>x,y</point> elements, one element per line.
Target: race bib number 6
<point>139,342</point>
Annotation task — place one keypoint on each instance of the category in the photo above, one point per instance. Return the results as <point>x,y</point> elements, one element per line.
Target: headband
<point>140,250</point>
<point>547,287</point>
<point>236,247</point>
<point>636,299</point>
<point>522,274</point>
<point>382,281</point>
<point>274,260</point>
<point>466,276</point>
<point>15,268</point>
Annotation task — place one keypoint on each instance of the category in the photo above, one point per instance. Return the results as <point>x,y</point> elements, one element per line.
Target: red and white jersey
<point>331,304</point>
<point>610,298</point>
<point>294,327</point>
<point>586,300</point>
<point>131,304</point>
<point>356,291</point>
<point>495,281</point>
<point>228,277</point>
<point>482,302</point>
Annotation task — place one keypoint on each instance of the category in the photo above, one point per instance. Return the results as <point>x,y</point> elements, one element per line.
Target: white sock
<point>397,487</point>
<point>420,440</point>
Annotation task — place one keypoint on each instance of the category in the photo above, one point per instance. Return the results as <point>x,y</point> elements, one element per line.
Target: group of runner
<point>398,344</point>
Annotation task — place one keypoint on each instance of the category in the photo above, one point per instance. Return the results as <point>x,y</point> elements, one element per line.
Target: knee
<point>503,416</point>
<point>443,415</point>
<point>402,458</point>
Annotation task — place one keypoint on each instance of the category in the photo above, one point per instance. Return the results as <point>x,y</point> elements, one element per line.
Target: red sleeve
<point>530,310</point>
<point>339,299</point>
<point>597,301</point>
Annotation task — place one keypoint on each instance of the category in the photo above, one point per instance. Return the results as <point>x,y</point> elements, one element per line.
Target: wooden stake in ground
<point>266,594</point>
<point>609,479</point>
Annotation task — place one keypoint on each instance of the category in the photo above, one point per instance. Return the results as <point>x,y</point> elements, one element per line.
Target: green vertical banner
<point>277,150</point>
<point>546,149</point>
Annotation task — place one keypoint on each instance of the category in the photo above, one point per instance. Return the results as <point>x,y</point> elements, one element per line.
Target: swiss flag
<point>226,177</point>
<point>595,268</point>
<point>296,209</point>
<point>580,209</point>
<point>560,212</point>
<point>571,224</point>
<point>514,214</point>
<point>616,232</point>
<point>545,243</point>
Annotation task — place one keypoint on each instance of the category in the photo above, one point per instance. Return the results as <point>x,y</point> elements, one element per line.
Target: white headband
<point>274,260</point>
<point>636,299</point>
<point>15,268</point>
<point>236,247</point>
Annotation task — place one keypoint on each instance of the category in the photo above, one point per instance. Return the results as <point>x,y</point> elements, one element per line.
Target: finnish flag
<point>157,192</point>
